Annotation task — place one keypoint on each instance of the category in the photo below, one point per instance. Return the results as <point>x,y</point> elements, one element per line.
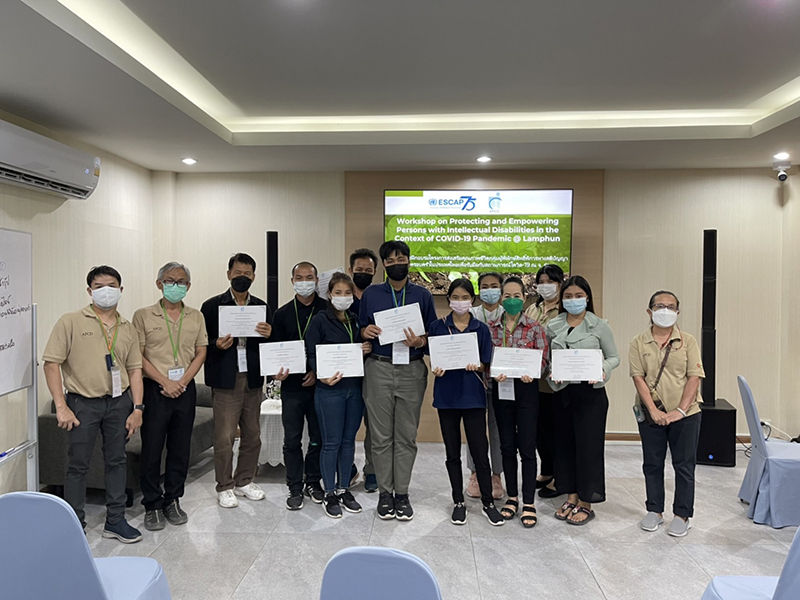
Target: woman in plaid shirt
<point>516,401</point>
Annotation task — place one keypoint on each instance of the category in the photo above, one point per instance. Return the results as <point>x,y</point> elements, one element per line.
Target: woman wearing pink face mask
<point>460,396</point>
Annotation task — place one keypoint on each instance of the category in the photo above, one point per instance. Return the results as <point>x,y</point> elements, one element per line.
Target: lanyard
<point>175,347</point>
<point>394,297</point>
<point>110,344</point>
<point>513,329</point>
<point>485,318</point>
<point>301,333</point>
<point>349,329</point>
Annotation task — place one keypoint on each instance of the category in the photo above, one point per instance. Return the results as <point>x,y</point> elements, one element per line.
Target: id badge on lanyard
<point>401,354</point>
<point>241,354</point>
<point>505,390</point>
<point>116,382</point>
<point>176,374</point>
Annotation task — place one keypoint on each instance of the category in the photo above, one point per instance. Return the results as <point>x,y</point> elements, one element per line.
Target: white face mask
<point>106,297</point>
<point>305,288</point>
<point>665,318</point>
<point>342,302</point>
<point>548,291</point>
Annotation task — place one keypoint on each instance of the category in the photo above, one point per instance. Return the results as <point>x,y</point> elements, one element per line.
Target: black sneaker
<point>123,532</point>
<point>493,515</point>
<point>175,514</point>
<point>315,492</point>
<point>370,483</point>
<point>459,514</point>
<point>294,501</point>
<point>386,506</point>
<point>402,507</point>
<point>331,506</point>
<point>154,520</point>
<point>349,502</point>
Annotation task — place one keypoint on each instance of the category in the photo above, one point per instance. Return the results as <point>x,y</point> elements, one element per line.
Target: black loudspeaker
<point>272,269</point>
<point>717,445</point>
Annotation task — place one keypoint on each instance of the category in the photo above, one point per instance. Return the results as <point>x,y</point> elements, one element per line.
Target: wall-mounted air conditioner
<point>33,161</point>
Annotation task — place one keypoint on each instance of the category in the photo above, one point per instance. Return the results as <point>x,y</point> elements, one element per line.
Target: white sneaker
<point>226,499</point>
<point>250,491</point>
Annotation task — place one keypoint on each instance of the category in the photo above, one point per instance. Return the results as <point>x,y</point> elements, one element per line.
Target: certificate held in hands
<point>577,365</point>
<point>450,352</point>
<point>347,359</point>
<point>514,363</point>
<point>275,356</point>
<point>241,321</point>
<point>393,321</point>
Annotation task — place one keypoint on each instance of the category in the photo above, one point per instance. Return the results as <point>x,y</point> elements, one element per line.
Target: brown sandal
<point>568,506</point>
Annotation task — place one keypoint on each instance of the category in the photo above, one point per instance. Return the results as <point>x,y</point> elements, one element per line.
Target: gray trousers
<point>106,415</point>
<point>494,441</point>
<point>369,468</point>
<point>393,397</point>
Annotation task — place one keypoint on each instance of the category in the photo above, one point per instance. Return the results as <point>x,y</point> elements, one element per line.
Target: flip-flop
<point>565,506</point>
<point>588,512</point>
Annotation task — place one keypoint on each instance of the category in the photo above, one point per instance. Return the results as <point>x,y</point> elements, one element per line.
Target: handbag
<point>653,393</point>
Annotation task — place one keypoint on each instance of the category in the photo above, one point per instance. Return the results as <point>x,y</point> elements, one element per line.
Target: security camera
<point>782,166</point>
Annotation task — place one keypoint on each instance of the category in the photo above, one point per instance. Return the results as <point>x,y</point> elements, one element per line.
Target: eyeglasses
<point>671,307</point>
<point>173,282</point>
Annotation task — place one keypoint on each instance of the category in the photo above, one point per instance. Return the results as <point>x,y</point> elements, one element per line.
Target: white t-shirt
<point>484,316</point>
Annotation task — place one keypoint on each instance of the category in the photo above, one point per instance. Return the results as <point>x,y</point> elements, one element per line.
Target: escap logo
<point>466,203</point>
<point>338,347</point>
<point>452,337</point>
<point>281,346</point>
<point>494,203</point>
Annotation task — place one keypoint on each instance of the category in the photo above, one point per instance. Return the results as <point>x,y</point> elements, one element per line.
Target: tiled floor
<point>261,550</point>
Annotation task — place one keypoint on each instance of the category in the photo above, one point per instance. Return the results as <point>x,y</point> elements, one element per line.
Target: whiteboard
<point>16,319</point>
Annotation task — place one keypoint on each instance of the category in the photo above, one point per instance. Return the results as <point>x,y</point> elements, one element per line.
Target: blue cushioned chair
<point>44,554</point>
<point>772,481</point>
<point>366,573</point>
<point>785,587</point>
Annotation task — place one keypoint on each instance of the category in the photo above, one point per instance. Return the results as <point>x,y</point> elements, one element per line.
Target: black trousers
<point>475,429</point>
<point>298,409</point>
<point>681,437</point>
<point>165,421</point>
<point>546,434</point>
<point>580,417</point>
<point>106,415</point>
<point>516,424</point>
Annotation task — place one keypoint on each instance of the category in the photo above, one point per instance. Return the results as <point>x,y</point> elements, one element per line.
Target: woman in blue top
<point>460,395</point>
<point>338,400</point>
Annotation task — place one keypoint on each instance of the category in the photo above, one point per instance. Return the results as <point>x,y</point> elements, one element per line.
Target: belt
<point>388,359</point>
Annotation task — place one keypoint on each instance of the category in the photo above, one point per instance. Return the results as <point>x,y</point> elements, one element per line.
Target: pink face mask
<point>460,307</point>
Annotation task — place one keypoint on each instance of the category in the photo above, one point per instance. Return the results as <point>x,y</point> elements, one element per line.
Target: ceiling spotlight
<point>781,156</point>
<point>484,159</point>
<point>188,161</point>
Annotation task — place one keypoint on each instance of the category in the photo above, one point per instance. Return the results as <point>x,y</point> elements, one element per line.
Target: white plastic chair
<point>785,587</point>
<point>771,483</point>
<point>44,554</point>
<point>380,573</point>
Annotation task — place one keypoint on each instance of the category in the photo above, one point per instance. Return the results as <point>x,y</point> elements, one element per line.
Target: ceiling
<point>375,84</point>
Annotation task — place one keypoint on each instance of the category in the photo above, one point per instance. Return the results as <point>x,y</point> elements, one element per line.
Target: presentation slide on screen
<point>462,233</point>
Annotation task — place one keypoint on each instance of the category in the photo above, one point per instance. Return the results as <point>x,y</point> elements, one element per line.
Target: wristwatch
<point>138,407</point>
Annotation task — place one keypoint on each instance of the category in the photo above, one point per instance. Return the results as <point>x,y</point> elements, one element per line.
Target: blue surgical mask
<point>574,306</point>
<point>490,295</point>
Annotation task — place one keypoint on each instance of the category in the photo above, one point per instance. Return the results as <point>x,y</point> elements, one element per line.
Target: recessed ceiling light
<point>781,156</point>
<point>484,159</point>
<point>188,161</point>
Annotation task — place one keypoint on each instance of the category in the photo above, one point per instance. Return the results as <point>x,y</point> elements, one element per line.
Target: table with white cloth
<point>272,433</point>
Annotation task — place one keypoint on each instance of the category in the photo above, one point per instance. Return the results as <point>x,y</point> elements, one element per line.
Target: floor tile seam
<point>252,563</point>
<point>588,566</point>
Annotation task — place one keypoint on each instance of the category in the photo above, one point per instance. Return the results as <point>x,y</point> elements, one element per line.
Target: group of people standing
<point>122,375</point>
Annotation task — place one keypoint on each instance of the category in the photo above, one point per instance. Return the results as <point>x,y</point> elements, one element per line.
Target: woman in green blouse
<point>580,407</point>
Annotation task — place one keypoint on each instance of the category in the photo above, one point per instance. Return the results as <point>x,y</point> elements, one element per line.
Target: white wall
<point>654,223</point>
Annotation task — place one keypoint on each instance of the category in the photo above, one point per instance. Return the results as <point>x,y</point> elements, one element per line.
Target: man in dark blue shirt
<point>290,323</point>
<point>395,381</point>
<point>363,264</point>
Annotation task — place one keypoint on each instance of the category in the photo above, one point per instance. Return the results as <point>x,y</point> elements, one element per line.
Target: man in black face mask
<point>363,264</point>
<point>395,378</point>
<point>233,372</point>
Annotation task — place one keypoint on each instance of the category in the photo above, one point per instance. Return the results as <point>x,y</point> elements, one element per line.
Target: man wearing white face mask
<point>666,368</point>
<point>291,323</point>
<point>174,342</point>
<point>97,352</point>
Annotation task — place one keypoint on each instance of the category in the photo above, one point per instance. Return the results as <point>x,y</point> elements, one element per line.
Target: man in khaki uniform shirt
<point>173,340</point>
<point>97,351</point>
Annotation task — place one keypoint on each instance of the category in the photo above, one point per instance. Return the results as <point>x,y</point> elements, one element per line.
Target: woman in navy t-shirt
<point>460,395</point>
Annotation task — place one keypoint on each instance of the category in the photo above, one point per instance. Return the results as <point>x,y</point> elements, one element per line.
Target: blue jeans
<point>339,412</point>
